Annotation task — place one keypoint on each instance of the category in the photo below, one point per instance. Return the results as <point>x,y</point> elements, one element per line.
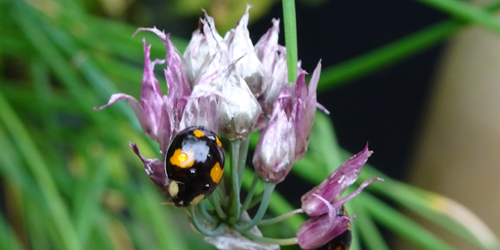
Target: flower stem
<point>203,211</point>
<point>221,192</point>
<point>251,192</point>
<point>280,218</point>
<point>268,190</point>
<point>255,200</point>
<point>235,195</point>
<point>290,38</point>
<point>200,228</point>
<point>243,160</point>
<point>282,242</point>
<point>218,209</point>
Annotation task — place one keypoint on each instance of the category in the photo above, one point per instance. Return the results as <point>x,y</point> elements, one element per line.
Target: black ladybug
<point>194,164</point>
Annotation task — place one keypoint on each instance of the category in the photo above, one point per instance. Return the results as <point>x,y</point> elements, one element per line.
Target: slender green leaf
<point>8,240</point>
<point>465,11</point>
<point>400,224</point>
<point>367,229</point>
<point>31,155</point>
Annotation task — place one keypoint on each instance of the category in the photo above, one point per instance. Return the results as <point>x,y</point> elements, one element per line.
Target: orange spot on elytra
<point>218,141</point>
<point>182,159</point>
<point>216,173</point>
<point>198,133</point>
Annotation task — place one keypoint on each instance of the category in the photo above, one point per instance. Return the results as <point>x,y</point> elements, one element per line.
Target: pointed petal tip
<point>158,32</point>
<point>365,151</point>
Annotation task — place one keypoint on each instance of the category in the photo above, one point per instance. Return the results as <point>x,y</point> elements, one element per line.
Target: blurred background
<point>413,80</point>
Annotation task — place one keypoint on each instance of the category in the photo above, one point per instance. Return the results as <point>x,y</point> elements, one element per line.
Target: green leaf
<point>400,224</point>
<point>35,162</point>
<point>466,12</point>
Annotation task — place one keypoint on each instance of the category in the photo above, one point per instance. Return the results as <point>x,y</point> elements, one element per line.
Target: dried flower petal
<point>148,110</point>
<point>319,230</point>
<point>334,186</point>
<point>155,170</point>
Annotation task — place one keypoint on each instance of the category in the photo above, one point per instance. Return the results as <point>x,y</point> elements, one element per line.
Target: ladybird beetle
<point>194,164</point>
<point>343,240</point>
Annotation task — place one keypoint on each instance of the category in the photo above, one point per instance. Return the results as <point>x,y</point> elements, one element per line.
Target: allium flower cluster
<point>228,86</point>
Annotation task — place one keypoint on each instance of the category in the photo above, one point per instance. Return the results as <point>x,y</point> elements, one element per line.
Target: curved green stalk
<point>219,230</point>
<point>218,209</point>
<point>268,190</point>
<point>251,192</point>
<point>280,218</point>
<point>203,211</point>
<point>282,242</point>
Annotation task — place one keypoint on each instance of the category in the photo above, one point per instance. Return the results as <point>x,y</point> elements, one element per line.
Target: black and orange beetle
<point>194,164</point>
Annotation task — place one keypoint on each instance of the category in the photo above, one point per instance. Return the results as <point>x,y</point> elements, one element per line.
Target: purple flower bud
<point>239,110</point>
<point>334,186</point>
<point>241,49</point>
<point>319,230</point>
<point>273,58</point>
<point>274,155</point>
<point>148,110</point>
<point>155,170</point>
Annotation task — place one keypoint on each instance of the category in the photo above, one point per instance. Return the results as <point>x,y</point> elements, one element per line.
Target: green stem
<point>203,210</point>
<point>243,160</point>
<point>290,38</point>
<point>221,190</point>
<point>280,218</point>
<point>235,195</point>
<point>218,209</point>
<point>251,192</point>
<point>268,190</point>
<point>217,231</point>
<point>255,200</point>
<point>282,242</point>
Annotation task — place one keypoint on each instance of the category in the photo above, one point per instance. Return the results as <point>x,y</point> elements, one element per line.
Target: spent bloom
<point>324,202</point>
